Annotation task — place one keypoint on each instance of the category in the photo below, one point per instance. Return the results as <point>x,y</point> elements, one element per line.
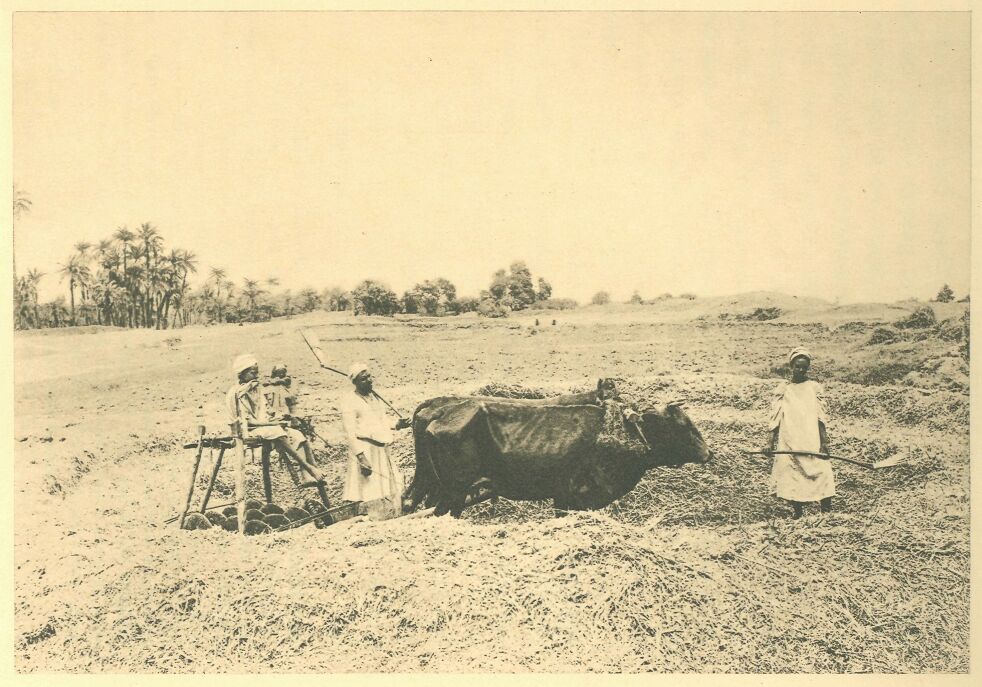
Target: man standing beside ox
<point>371,473</point>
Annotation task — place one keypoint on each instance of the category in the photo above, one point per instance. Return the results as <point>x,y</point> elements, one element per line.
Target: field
<point>697,570</point>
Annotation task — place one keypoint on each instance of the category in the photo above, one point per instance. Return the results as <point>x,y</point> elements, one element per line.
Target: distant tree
<point>373,298</point>
<point>945,295</point>
<point>600,298</point>
<point>309,300</point>
<point>466,304</point>
<point>520,286</point>
<point>488,307</point>
<point>544,290</point>
<point>430,297</point>
<point>251,293</point>
<point>78,273</point>
<point>635,298</point>
<point>498,291</point>
<point>21,205</point>
<point>335,299</point>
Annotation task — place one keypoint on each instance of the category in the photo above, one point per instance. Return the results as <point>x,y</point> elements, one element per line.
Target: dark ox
<point>538,449</point>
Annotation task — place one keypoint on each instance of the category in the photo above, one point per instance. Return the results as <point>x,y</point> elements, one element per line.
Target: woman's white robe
<point>796,411</point>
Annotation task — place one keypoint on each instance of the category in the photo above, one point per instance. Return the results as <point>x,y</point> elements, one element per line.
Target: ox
<point>538,449</point>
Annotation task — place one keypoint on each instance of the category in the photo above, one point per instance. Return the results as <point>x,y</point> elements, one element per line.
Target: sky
<point>819,154</point>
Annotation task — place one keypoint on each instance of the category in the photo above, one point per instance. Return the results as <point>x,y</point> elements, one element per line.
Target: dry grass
<point>698,569</point>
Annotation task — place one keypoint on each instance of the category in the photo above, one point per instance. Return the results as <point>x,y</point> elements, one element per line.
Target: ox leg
<point>442,506</point>
<point>560,507</point>
<point>457,504</point>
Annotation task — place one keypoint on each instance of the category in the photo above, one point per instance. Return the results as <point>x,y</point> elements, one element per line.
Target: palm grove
<point>131,279</point>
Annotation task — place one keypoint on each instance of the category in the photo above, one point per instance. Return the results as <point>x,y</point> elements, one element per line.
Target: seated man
<point>247,404</point>
<point>280,402</point>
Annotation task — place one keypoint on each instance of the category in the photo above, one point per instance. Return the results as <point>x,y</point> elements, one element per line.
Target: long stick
<point>318,353</point>
<point>824,456</point>
<point>194,473</point>
<point>375,394</point>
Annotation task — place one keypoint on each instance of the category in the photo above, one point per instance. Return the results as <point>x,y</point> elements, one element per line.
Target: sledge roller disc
<point>271,509</point>
<point>276,521</point>
<point>256,527</point>
<point>294,514</point>
<point>196,521</point>
<point>253,504</point>
<point>216,519</point>
<point>232,524</point>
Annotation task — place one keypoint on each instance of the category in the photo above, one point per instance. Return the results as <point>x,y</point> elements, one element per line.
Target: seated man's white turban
<point>243,363</point>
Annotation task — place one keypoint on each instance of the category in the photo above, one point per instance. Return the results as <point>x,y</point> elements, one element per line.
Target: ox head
<point>672,436</point>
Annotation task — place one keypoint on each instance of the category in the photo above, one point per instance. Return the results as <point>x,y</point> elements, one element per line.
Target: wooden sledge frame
<point>236,441</point>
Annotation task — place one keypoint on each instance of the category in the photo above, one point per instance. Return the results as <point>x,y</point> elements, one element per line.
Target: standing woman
<point>372,474</point>
<point>798,423</point>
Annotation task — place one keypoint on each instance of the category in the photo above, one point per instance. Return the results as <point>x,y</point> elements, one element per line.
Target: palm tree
<point>22,203</point>
<point>218,275</point>
<point>229,290</point>
<point>22,304</point>
<point>58,312</point>
<point>33,279</point>
<point>82,251</point>
<point>125,238</point>
<point>182,262</point>
<point>134,278</point>
<point>251,292</point>
<point>152,243</point>
<point>78,274</point>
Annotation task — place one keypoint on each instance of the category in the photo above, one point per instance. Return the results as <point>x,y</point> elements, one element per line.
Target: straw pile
<point>698,569</point>
<point>579,593</point>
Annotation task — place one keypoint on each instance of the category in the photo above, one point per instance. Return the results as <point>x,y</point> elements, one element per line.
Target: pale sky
<point>821,154</point>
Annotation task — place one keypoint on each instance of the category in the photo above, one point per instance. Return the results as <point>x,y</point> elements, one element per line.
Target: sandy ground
<point>696,570</point>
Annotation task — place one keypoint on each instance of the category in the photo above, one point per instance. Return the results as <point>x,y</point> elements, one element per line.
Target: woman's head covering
<point>797,353</point>
<point>278,367</point>
<point>355,369</point>
<point>243,363</point>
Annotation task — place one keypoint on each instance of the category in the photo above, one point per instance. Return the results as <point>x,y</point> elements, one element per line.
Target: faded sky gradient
<point>822,154</point>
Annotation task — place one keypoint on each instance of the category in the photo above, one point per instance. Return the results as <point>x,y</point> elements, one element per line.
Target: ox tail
<point>425,487</point>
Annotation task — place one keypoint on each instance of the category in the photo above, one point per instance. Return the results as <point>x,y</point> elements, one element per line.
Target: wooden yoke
<point>236,428</point>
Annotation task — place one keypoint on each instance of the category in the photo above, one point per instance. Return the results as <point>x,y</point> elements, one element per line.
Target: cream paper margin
<point>7,673</point>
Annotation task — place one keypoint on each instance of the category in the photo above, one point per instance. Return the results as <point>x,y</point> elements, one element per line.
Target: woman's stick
<point>885,463</point>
